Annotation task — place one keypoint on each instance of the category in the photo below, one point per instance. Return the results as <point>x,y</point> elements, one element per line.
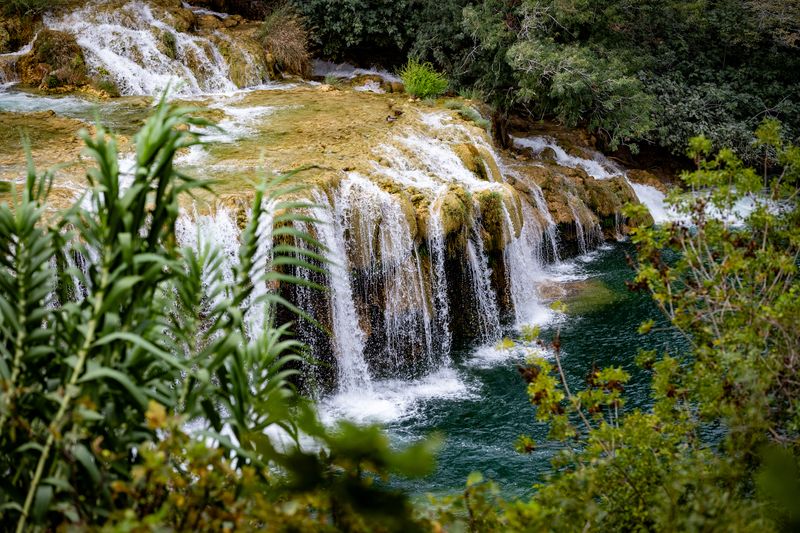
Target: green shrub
<point>334,81</point>
<point>422,81</point>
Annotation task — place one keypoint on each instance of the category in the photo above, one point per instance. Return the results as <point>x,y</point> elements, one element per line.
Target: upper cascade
<point>143,47</point>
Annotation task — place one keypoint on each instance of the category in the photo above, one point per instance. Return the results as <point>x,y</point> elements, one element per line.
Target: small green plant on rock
<point>422,81</point>
<point>334,81</point>
<point>468,112</point>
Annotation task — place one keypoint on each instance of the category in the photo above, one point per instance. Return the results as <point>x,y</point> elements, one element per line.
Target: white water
<point>599,168</point>
<point>8,74</point>
<point>394,400</point>
<point>347,71</point>
<point>438,275</point>
<point>390,260</point>
<point>125,44</point>
<point>524,268</point>
<point>348,337</point>
<point>487,313</point>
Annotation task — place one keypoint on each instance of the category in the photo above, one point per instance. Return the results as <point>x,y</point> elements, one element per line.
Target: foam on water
<point>394,400</point>
<point>599,168</point>
<point>491,355</point>
<point>347,71</point>
<point>20,102</point>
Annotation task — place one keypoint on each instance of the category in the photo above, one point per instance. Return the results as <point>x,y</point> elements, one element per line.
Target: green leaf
<point>119,377</point>
<point>41,502</point>
<point>474,478</point>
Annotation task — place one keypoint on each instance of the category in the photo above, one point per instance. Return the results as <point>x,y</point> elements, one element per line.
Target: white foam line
<point>394,400</point>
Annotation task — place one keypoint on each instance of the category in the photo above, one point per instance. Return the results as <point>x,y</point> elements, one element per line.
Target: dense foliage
<point>115,343</point>
<point>654,71</point>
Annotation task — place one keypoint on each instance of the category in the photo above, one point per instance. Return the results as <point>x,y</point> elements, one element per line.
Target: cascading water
<point>480,275</point>
<point>601,168</point>
<point>348,337</point>
<point>392,270</point>
<point>580,234</point>
<point>438,275</point>
<point>523,258</point>
<point>143,54</point>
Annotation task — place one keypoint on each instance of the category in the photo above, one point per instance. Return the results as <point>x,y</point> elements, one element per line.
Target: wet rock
<point>456,208</point>
<point>393,87</point>
<point>647,178</point>
<point>497,208</point>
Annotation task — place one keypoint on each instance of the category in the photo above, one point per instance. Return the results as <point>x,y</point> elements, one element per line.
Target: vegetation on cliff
<point>656,73</point>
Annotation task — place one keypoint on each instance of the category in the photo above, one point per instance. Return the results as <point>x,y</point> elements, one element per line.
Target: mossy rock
<point>647,178</point>
<point>497,207</point>
<point>240,71</point>
<point>489,169</point>
<point>455,210</point>
<point>55,61</point>
<point>471,157</point>
<point>16,32</point>
<point>589,296</point>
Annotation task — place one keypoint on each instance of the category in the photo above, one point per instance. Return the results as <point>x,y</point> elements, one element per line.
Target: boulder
<point>209,22</point>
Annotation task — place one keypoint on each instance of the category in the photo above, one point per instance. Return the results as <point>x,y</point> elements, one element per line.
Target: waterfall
<point>436,249</point>
<point>551,230</point>
<point>587,235</point>
<point>143,54</point>
<point>217,230</point>
<point>601,168</point>
<point>348,337</point>
<point>523,258</point>
<point>8,63</point>
<point>480,275</point>
<point>382,243</point>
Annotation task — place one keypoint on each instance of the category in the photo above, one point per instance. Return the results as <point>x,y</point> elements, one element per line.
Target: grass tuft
<point>283,35</point>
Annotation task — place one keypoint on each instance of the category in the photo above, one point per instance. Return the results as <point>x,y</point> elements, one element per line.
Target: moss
<point>168,44</point>
<point>107,86</point>
<point>55,61</point>
<point>493,219</point>
<point>588,297</point>
<point>455,210</point>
